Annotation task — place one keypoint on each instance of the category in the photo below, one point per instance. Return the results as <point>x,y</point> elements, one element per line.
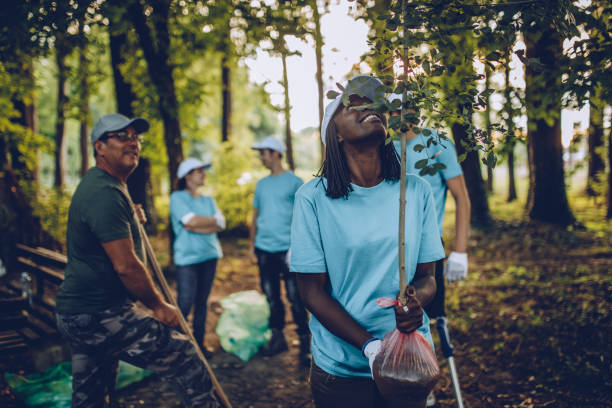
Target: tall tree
<point>151,25</point>
<point>318,41</point>
<point>547,199</point>
<point>62,49</point>
<point>596,164</point>
<point>510,139</point>
<point>487,116</point>
<point>83,107</point>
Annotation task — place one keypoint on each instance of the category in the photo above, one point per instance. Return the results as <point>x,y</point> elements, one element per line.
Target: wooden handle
<point>183,323</point>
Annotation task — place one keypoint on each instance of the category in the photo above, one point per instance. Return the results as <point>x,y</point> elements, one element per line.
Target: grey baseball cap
<point>115,122</point>
<point>362,85</point>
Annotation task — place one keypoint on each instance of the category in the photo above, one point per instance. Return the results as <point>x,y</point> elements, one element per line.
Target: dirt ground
<point>530,326</point>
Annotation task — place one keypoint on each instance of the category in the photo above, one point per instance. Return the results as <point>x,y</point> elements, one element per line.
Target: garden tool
<point>447,350</point>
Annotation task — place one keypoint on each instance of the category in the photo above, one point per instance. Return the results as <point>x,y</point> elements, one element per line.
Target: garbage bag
<point>243,325</point>
<point>405,365</point>
<point>53,388</point>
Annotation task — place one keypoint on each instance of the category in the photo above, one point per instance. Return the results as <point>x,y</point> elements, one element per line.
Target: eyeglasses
<point>123,136</point>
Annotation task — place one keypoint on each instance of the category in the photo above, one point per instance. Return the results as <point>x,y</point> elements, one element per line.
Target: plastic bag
<point>243,325</point>
<point>405,365</point>
<point>53,388</point>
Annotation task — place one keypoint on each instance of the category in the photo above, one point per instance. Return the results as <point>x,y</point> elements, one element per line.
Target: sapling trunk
<point>402,211</point>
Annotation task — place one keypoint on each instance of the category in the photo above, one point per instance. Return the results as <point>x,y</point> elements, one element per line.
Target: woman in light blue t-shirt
<point>344,249</point>
<point>195,222</point>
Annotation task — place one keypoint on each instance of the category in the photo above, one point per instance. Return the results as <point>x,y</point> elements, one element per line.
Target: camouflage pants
<point>99,340</point>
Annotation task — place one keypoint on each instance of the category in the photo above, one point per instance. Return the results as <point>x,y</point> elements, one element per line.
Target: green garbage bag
<point>243,325</point>
<point>53,388</point>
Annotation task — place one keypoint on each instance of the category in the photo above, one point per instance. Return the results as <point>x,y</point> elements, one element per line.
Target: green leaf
<point>332,94</point>
<point>421,164</point>
<point>439,166</point>
<point>461,157</point>
<point>426,132</point>
<point>418,148</point>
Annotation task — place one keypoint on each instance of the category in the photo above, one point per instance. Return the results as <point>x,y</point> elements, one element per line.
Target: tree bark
<point>318,40</point>
<point>156,52</point>
<point>609,213</point>
<point>510,138</point>
<point>287,111</point>
<point>547,199</point>
<point>84,114</point>
<point>123,90</point>
<point>480,214</point>
<point>226,92</point>
<point>597,166</point>
<point>62,99</point>
<point>487,113</point>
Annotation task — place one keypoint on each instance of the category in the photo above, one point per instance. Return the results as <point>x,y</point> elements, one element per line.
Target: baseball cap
<point>271,143</point>
<point>115,122</point>
<point>191,164</point>
<point>363,85</point>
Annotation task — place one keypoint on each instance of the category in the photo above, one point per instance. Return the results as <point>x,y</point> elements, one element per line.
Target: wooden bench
<point>24,319</point>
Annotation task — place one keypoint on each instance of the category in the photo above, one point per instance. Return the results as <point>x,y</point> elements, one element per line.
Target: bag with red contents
<point>405,365</point>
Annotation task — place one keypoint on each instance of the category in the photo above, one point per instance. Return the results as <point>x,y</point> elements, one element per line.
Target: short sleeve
<point>431,248</point>
<point>108,215</point>
<point>448,156</point>
<point>178,207</point>
<point>307,254</point>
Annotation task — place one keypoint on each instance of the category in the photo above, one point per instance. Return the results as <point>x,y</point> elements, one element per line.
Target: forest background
<point>494,77</point>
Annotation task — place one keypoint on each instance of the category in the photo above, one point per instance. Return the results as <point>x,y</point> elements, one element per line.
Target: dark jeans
<point>194,283</point>
<point>99,340</point>
<point>330,391</point>
<point>272,268</point>
<point>435,308</point>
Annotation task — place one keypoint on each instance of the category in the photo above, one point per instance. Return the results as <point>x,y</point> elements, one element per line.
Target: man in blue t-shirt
<point>268,245</point>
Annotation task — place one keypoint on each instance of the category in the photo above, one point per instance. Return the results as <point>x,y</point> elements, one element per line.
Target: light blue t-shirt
<point>441,154</point>
<point>274,196</point>
<point>354,240</point>
<point>192,247</point>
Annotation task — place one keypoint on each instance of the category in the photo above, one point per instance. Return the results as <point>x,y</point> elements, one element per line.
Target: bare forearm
<point>204,230</point>
<point>139,283</point>
<point>462,224</point>
<point>424,282</point>
<point>200,222</point>
<point>332,315</point>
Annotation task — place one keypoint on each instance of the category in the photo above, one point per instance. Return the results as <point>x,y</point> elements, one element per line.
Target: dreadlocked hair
<point>336,170</point>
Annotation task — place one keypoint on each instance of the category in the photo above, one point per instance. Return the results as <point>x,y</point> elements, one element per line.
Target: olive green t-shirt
<point>101,211</point>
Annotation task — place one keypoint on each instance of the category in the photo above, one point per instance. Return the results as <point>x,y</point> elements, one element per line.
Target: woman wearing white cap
<point>344,249</point>
<point>195,221</point>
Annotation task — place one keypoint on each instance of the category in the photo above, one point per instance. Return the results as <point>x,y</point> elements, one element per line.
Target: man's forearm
<point>424,282</point>
<point>139,283</point>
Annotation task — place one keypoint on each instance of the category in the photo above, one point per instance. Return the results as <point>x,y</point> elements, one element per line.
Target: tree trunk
<point>510,138</point>
<point>84,107</point>
<point>547,199</point>
<point>123,90</point>
<point>597,166</point>
<point>287,111</point>
<point>139,182</point>
<point>226,92</point>
<point>160,70</point>
<point>487,113</point>
<point>609,213</point>
<point>62,99</point>
<point>480,214</point>
<point>318,40</point>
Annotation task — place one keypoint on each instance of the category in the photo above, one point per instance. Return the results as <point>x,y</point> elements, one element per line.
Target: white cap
<point>190,164</point>
<point>363,85</point>
<point>271,143</point>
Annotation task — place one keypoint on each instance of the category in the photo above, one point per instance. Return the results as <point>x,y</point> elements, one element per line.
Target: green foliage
<point>232,182</point>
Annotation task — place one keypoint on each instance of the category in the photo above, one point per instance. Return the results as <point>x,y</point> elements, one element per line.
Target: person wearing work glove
<point>448,178</point>
<point>344,249</point>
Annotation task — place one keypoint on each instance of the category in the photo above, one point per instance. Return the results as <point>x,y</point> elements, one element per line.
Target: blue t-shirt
<point>192,247</point>
<point>274,196</point>
<point>354,240</point>
<point>441,154</point>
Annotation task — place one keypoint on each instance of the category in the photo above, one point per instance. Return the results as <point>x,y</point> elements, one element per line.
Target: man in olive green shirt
<point>106,273</point>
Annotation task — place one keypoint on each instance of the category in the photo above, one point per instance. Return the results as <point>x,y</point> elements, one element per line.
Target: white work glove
<point>371,350</point>
<point>456,266</point>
